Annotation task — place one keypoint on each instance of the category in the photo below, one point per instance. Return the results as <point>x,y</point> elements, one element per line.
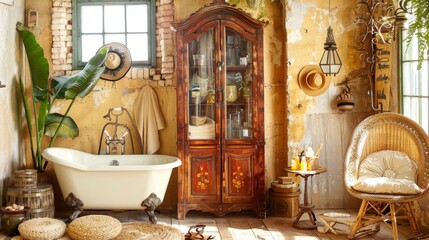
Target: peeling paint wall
<point>314,120</point>
<point>11,146</point>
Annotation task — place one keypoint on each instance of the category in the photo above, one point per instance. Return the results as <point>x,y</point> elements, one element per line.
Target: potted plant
<point>47,123</point>
<point>419,25</point>
<point>246,87</point>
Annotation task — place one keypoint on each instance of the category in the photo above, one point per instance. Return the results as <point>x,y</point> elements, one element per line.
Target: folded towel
<point>203,131</point>
<point>149,119</point>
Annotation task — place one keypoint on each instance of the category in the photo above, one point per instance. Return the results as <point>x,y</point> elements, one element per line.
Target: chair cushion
<point>387,172</point>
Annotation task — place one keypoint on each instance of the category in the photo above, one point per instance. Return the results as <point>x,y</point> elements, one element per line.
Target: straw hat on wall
<point>312,80</point>
<point>118,61</point>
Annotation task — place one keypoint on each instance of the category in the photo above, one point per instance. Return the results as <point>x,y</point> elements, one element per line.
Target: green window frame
<point>414,83</point>
<point>102,34</point>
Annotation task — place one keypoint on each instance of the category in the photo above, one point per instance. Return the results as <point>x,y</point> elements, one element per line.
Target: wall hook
<point>2,86</point>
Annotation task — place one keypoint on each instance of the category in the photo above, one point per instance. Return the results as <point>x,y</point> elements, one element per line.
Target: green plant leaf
<point>68,127</point>
<point>57,84</point>
<point>38,64</point>
<point>28,118</point>
<point>419,27</point>
<point>81,84</point>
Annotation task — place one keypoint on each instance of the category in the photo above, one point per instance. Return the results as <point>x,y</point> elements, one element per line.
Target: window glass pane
<point>425,115</point>
<point>410,52</point>
<point>109,38</point>
<point>415,109</point>
<point>90,45</point>
<point>92,19</point>
<point>138,46</point>
<point>114,18</point>
<point>137,16</point>
<point>407,103</point>
<point>423,76</point>
<point>411,81</point>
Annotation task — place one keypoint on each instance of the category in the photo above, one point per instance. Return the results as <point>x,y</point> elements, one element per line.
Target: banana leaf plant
<point>53,125</point>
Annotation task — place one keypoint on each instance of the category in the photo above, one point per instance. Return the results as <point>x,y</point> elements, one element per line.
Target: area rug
<point>148,231</point>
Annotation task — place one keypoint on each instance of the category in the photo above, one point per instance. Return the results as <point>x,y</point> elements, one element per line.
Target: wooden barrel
<point>283,204</point>
<point>40,200</point>
<point>26,178</point>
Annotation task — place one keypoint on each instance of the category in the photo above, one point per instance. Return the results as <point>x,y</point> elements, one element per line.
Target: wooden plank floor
<point>246,226</point>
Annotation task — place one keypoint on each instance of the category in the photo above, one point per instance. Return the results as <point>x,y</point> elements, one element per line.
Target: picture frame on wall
<point>7,2</point>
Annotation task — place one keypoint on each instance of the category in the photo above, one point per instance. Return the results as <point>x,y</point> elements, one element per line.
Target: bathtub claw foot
<point>76,204</point>
<point>150,204</point>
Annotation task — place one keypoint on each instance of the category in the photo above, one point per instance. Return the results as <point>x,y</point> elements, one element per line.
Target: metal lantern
<point>330,62</point>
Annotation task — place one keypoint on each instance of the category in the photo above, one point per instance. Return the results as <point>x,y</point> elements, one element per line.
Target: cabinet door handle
<point>220,65</point>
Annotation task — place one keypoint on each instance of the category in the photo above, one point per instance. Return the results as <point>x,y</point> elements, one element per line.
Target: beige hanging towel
<point>149,119</point>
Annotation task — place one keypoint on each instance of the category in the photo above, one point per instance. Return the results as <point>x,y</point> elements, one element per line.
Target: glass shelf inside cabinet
<point>201,107</point>
<point>238,86</point>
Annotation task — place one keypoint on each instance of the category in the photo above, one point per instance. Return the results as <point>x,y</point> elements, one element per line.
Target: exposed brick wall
<point>165,49</point>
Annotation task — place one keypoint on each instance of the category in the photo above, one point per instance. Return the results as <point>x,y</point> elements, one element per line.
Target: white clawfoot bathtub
<point>101,186</point>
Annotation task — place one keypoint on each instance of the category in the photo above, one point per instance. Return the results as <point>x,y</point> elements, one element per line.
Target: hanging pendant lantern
<point>330,62</point>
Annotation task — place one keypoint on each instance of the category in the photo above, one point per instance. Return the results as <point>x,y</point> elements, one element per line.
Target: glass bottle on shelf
<point>201,75</point>
<point>238,86</point>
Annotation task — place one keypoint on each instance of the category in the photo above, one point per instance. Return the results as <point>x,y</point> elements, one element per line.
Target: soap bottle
<point>295,160</point>
<point>309,154</point>
<point>303,163</point>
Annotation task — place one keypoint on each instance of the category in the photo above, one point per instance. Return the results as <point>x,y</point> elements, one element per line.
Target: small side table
<point>306,207</point>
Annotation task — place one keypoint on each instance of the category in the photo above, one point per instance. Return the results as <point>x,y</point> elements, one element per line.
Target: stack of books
<point>285,184</point>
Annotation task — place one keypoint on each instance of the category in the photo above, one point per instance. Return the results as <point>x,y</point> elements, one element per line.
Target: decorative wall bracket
<point>378,20</point>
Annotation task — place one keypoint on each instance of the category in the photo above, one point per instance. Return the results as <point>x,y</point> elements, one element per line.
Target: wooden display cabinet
<point>220,111</point>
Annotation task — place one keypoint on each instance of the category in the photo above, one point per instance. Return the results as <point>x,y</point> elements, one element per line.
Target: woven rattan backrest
<point>388,131</point>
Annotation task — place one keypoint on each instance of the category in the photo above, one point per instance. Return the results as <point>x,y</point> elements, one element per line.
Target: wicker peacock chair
<point>386,131</point>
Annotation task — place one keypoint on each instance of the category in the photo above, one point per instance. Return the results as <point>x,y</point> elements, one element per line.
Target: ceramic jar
<point>231,93</point>
<point>10,221</point>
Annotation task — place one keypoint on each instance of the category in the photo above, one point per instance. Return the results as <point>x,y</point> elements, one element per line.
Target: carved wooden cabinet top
<point>219,9</point>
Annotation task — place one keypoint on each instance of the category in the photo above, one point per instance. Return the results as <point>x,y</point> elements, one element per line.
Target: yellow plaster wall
<point>11,129</point>
<point>307,23</point>
<point>314,120</point>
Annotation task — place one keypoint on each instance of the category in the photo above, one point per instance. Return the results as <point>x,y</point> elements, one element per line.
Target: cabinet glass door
<point>238,86</point>
<point>201,109</point>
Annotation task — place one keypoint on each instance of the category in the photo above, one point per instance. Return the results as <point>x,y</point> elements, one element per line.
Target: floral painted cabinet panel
<point>204,175</point>
<point>220,111</point>
<point>239,174</point>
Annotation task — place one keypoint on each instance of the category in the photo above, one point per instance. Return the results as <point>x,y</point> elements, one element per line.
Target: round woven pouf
<point>94,227</point>
<point>42,229</point>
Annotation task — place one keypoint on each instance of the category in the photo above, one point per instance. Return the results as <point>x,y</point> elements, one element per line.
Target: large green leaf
<point>38,64</point>
<point>81,84</point>
<point>68,127</point>
<point>28,117</point>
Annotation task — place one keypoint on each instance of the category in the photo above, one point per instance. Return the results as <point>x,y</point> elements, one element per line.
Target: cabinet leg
<point>181,212</point>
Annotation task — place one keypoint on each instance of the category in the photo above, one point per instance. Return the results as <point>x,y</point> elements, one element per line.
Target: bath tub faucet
<point>112,141</point>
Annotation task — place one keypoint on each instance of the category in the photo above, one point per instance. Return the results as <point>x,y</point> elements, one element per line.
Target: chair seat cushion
<point>387,172</point>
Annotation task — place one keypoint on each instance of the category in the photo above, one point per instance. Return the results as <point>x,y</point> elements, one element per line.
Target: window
<point>414,84</point>
<point>130,22</point>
